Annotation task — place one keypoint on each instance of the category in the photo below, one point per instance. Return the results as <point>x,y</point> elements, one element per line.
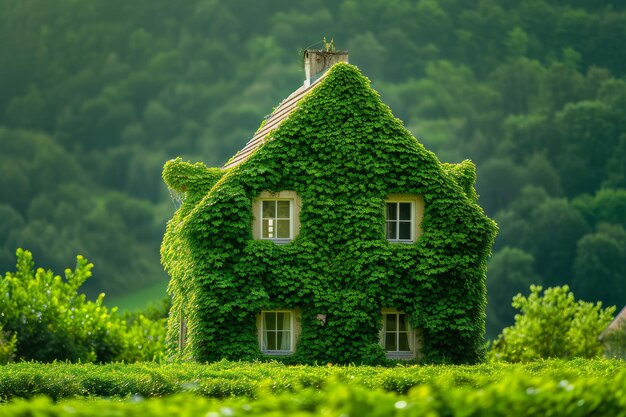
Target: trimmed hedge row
<point>596,389</point>
<point>248,379</point>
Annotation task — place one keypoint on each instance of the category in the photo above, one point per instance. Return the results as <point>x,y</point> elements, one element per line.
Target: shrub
<point>52,321</point>
<point>552,325</point>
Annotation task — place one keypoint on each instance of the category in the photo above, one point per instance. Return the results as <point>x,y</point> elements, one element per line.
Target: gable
<point>342,122</point>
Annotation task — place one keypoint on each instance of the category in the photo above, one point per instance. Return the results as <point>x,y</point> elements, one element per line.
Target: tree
<point>555,228</point>
<point>616,166</point>
<point>519,82</point>
<point>541,173</point>
<point>600,265</point>
<point>552,325</point>
<point>510,271</point>
<point>499,183</point>
<point>607,206</point>
<point>530,134</point>
<point>590,132</point>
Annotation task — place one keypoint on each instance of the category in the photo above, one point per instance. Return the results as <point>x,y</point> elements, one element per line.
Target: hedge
<point>554,388</point>
<point>226,379</point>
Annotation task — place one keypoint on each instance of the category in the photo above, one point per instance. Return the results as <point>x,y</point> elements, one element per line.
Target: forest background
<point>96,95</point>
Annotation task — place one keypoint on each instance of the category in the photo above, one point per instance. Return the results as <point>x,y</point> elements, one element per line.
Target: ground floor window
<point>398,337</point>
<point>277,332</point>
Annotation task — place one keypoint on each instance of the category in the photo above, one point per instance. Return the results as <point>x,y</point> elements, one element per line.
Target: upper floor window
<point>398,338</point>
<point>277,332</point>
<point>403,217</point>
<point>276,216</point>
<point>400,221</point>
<point>276,219</point>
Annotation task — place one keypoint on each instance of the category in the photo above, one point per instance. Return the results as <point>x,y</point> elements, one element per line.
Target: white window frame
<point>397,221</point>
<point>417,215</point>
<point>262,201</point>
<point>292,335</point>
<point>398,354</point>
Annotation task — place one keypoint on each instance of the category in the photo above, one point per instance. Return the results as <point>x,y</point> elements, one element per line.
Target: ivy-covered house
<point>332,236</point>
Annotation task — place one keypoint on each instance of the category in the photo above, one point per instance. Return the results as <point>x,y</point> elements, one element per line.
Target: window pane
<point>391,230</point>
<point>282,209</point>
<point>282,321</point>
<point>392,211</point>
<point>271,340</point>
<point>390,322</point>
<point>284,340</point>
<point>405,211</point>
<point>402,322</point>
<point>269,321</point>
<point>268,231</point>
<point>269,209</point>
<point>276,331</point>
<point>404,342</point>
<point>404,231</point>
<point>282,229</point>
<point>390,342</point>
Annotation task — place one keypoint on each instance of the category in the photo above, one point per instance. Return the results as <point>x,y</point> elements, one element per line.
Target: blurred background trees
<point>95,97</point>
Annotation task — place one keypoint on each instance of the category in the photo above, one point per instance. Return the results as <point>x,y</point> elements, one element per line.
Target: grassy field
<point>574,388</point>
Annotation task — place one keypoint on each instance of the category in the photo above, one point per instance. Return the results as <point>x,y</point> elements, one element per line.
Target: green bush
<point>552,325</point>
<point>52,321</point>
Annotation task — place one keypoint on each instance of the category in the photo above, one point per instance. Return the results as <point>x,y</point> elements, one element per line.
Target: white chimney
<point>317,62</point>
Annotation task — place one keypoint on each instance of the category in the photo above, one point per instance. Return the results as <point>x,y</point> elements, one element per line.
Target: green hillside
<point>139,299</point>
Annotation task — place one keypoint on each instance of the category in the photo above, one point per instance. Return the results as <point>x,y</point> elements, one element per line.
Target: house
<point>613,338</point>
<point>332,236</point>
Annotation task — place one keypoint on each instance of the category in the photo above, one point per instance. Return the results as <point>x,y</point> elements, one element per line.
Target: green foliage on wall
<point>190,178</point>
<point>343,152</point>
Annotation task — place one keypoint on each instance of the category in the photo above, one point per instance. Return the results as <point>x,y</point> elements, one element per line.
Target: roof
<point>620,320</point>
<point>282,112</point>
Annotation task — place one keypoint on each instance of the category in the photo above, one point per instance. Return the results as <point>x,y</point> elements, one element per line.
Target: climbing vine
<point>343,152</point>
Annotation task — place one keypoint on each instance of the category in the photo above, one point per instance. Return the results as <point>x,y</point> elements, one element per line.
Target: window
<point>403,217</point>
<point>399,220</point>
<point>397,337</point>
<point>276,219</point>
<point>276,216</point>
<point>277,332</point>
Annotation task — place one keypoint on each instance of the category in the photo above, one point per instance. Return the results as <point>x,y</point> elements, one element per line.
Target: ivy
<point>343,152</point>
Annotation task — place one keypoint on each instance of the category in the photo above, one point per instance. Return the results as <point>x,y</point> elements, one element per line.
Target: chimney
<point>317,62</point>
